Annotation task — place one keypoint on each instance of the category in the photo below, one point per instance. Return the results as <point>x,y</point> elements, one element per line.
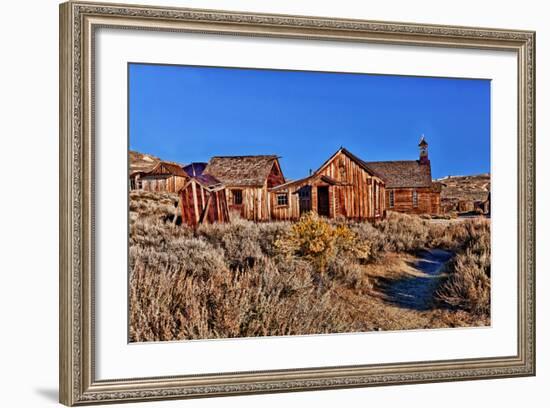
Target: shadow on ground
<point>416,291</point>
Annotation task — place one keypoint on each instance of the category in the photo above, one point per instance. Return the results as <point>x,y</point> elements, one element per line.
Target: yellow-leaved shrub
<point>314,239</point>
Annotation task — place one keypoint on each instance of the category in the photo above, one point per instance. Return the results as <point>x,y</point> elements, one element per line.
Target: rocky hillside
<point>145,162</point>
<point>464,188</point>
<point>141,161</point>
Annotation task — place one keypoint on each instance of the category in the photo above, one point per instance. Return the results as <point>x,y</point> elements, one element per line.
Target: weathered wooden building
<point>164,177</point>
<point>201,197</point>
<point>343,186</point>
<point>202,200</point>
<point>247,179</point>
<point>255,187</point>
<point>409,186</point>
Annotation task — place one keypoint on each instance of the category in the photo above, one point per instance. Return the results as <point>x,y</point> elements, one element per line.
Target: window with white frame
<point>282,199</point>
<point>392,198</point>
<point>415,198</point>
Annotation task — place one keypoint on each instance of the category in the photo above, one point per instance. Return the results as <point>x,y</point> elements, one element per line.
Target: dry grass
<point>469,284</point>
<point>246,279</point>
<point>153,204</point>
<point>183,287</point>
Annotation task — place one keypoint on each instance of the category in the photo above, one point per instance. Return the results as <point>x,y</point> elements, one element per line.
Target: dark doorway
<point>304,195</point>
<point>322,201</point>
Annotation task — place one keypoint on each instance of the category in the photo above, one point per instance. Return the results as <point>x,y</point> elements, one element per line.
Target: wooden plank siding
<point>254,207</point>
<point>164,177</point>
<point>353,192</point>
<point>200,205</point>
<point>409,185</point>
<point>428,200</point>
<point>343,186</point>
<point>162,183</point>
<point>252,176</point>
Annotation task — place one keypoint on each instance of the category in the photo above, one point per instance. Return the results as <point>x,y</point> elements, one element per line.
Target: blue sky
<point>186,114</point>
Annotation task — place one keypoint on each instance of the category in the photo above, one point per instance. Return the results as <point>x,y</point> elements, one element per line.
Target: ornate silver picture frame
<point>78,24</point>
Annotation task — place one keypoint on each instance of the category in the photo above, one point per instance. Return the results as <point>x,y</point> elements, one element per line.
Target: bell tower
<point>423,146</point>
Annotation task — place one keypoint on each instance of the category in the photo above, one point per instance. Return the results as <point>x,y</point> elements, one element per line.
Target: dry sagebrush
<point>222,285</point>
<point>468,286</point>
<point>246,279</point>
<point>159,205</point>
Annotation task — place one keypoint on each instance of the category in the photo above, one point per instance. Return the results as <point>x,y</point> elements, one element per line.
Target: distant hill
<point>464,188</point>
<point>142,161</point>
<point>145,162</point>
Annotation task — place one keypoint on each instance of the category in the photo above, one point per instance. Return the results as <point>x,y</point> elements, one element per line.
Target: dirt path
<point>401,297</point>
<point>415,290</point>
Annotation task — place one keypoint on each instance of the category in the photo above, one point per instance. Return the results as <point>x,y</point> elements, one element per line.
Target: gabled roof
<point>328,179</point>
<point>403,173</point>
<point>357,160</point>
<point>365,166</point>
<point>166,168</point>
<point>245,171</point>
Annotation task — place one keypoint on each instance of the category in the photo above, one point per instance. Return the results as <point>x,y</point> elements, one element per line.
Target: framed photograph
<point>256,203</point>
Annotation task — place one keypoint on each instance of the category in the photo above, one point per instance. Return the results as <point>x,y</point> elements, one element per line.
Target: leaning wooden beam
<point>195,201</point>
<point>205,210</point>
<point>186,185</point>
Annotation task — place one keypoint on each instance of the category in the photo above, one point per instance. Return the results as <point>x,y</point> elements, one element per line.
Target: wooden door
<point>304,195</point>
<point>323,207</point>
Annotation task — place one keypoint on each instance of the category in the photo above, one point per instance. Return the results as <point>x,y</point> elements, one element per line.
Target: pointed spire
<point>423,145</point>
<point>423,141</point>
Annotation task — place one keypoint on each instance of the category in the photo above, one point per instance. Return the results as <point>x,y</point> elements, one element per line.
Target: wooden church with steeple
<point>409,186</point>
